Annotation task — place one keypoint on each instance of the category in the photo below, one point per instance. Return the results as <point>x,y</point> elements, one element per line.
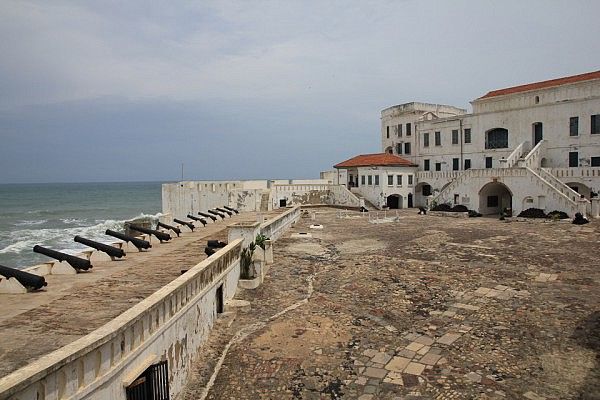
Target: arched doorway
<point>394,201</point>
<point>422,191</point>
<point>494,197</point>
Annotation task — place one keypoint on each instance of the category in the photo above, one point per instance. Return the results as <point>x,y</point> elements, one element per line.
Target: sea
<point>51,214</point>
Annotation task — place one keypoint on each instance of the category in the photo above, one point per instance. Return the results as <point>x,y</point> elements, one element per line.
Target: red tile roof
<point>544,84</point>
<point>379,159</point>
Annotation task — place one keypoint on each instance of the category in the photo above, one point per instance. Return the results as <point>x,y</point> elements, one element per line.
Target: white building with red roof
<point>383,179</point>
<point>529,146</point>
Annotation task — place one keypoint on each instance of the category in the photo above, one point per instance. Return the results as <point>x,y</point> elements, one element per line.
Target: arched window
<point>496,138</point>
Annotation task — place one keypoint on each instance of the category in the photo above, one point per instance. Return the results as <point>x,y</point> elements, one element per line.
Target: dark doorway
<point>538,134</point>
<point>219,300</point>
<point>410,200</point>
<point>152,384</point>
<point>393,202</point>
<point>282,203</point>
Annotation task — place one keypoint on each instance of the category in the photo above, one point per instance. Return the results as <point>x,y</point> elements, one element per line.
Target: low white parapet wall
<point>275,227</point>
<point>170,325</point>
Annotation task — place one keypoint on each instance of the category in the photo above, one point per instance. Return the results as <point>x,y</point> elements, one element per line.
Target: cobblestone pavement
<point>421,308</point>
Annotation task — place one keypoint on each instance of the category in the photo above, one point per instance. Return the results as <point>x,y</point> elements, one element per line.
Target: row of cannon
<point>36,282</point>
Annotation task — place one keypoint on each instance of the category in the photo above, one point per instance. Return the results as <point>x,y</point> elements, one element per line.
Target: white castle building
<point>534,145</point>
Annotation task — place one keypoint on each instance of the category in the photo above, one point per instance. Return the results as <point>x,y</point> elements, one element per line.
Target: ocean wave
<point>70,221</point>
<point>59,237</point>
<point>62,238</point>
<point>30,222</point>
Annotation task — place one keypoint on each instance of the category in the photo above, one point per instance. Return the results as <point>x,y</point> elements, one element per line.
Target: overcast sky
<point>129,90</point>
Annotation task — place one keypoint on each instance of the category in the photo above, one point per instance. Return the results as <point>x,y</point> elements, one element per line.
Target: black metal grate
<point>153,384</point>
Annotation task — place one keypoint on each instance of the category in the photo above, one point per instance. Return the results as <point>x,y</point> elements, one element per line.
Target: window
<point>362,180</point>
<point>455,164</point>
<point>488,162</point>
<point>399,130</point>
<point>426,139</point>
<point>467,135</point>
<point>388,131</point>
<point>408,129</point>
<point>492,201</point>
<point>399,180</point>
<point>438,166</point>
<point>407,148</point>
<point>574,126</point>
<point>438,138</point>
<point>390,180</point>
<point>410,179</point>
<point>370,179</point>
<point>398,148</point>
<point>595,124</point>
<point>426,165</point>
<point>595,161</point>
<point>376,180</point>
<point>455,136</point>
<point>573,159</point>
<point>467,163</point>
<point>537,99</point>
<point>496,139</point>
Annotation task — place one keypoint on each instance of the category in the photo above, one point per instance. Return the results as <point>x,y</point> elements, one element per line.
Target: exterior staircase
<point>522,172</point>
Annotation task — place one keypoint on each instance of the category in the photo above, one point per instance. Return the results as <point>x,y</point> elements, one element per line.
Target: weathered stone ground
<point>422,308</point>
<point>72,306</point>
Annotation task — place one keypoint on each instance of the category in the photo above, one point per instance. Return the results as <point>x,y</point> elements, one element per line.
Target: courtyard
<point>422,307</point>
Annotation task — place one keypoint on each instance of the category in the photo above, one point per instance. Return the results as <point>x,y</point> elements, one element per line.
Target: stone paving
<point>423,308</point>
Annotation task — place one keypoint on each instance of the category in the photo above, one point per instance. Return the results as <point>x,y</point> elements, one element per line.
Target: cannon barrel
<point>209,251</point>
<point>231,209</point>
<point>137,242</point>
<point>174,229</point>
<point>213,212</point>
<point>230,213</point>
<point>207,215</point>
<point>25,278</point>
<point>190,216</point>
<point>215,243</point>
<point>188,224</point>
<point>163,237</point>
<point>108,249</point>
<point>75,262</point>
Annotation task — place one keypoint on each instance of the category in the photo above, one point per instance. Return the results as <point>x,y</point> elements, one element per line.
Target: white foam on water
<point>61,239</point>
<point>71,221</point>
<point>33,222</point>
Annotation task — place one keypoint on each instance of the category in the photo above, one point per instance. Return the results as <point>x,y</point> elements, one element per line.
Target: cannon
<point>137,242</point>
<point>215,244</point>
<point>218,214</point>
<point>75,262</point>
<point>231,209</point>
<point>230,213</point>
<point>188,224</point>
<point>161,236</point>
<point>174,229</point>
<point>25,278</point>
<point>208,216</point>
<point>112,251</point>
<point>209,251</point>
<point>202,220</point>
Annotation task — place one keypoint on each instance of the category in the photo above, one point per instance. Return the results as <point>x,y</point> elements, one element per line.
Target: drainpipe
<point>462,163</point>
